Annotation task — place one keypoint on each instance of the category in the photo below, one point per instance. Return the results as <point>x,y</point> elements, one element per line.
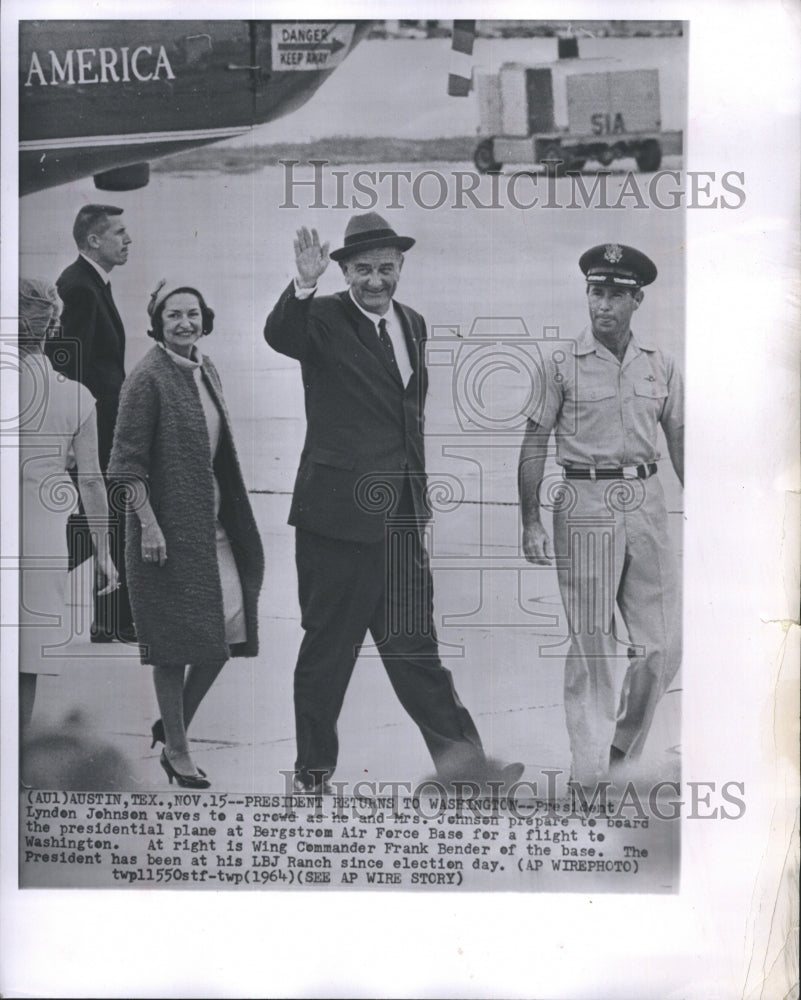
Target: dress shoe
<point>128,634</point>
<point>512,773</point>
<point>157,729</point>
<point>184,780</point>
<point>588,794</point>
<point>312,787</point>
<point>488,773</point>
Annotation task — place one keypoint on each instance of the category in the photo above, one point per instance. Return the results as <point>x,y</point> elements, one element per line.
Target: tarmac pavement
<point>492,615</point>
<point>505,275</point>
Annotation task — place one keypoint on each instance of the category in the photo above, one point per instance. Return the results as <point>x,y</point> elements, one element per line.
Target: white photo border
<point>722,935</point>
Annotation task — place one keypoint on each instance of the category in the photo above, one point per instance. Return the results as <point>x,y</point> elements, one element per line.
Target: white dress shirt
<point>103,274</point>
<point>394,330</point>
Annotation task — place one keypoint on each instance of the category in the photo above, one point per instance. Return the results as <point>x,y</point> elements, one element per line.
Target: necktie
<point>111,302</point>
<point>117,319</point>
<point>386,343</point>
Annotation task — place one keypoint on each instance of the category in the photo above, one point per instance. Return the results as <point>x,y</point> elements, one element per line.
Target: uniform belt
<point>624,472</point>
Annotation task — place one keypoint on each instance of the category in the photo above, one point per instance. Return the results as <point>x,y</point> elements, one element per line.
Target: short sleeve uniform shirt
<point>605,412</point>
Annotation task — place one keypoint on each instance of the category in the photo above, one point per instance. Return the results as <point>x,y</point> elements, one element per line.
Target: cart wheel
<point>649,156</point>
<point>484,158</point>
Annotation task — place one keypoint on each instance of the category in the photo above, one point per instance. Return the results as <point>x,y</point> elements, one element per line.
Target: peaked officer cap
<point>615,264</point>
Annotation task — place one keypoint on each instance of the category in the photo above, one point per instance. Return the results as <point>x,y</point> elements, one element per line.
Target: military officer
<point>617,575</point>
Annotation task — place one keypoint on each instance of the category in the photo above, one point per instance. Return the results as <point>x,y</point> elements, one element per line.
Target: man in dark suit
<point>359,505</point>
<point>91,350</point>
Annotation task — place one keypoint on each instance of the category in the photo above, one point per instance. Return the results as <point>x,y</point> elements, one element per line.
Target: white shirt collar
<point>374,318</point>
<point>395,334</point>
<point>103,274</point>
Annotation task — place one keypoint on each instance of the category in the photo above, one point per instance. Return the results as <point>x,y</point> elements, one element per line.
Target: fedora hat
<point>369,232</point>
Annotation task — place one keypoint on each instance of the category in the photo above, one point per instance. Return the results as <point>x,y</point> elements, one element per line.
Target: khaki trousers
<point>619,583</point>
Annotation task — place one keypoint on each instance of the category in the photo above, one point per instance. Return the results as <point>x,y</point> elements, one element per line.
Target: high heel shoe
<point>184,780</point>
<point>157,729</point>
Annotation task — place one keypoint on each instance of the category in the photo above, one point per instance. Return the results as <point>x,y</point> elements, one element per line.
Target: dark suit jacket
<point>364,434</point>
<point>91,349</point>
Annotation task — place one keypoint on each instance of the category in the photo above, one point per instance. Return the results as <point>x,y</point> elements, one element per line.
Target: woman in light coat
<point>193,553</point>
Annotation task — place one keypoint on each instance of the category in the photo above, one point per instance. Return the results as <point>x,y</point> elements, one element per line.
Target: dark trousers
<point>112,612</point>
<point>347,588</point>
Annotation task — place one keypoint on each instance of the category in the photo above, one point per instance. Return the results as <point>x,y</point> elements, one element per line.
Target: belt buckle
<point>592,473</point>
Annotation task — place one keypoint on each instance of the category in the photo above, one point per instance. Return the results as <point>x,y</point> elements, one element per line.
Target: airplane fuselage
<point>99,95</point>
